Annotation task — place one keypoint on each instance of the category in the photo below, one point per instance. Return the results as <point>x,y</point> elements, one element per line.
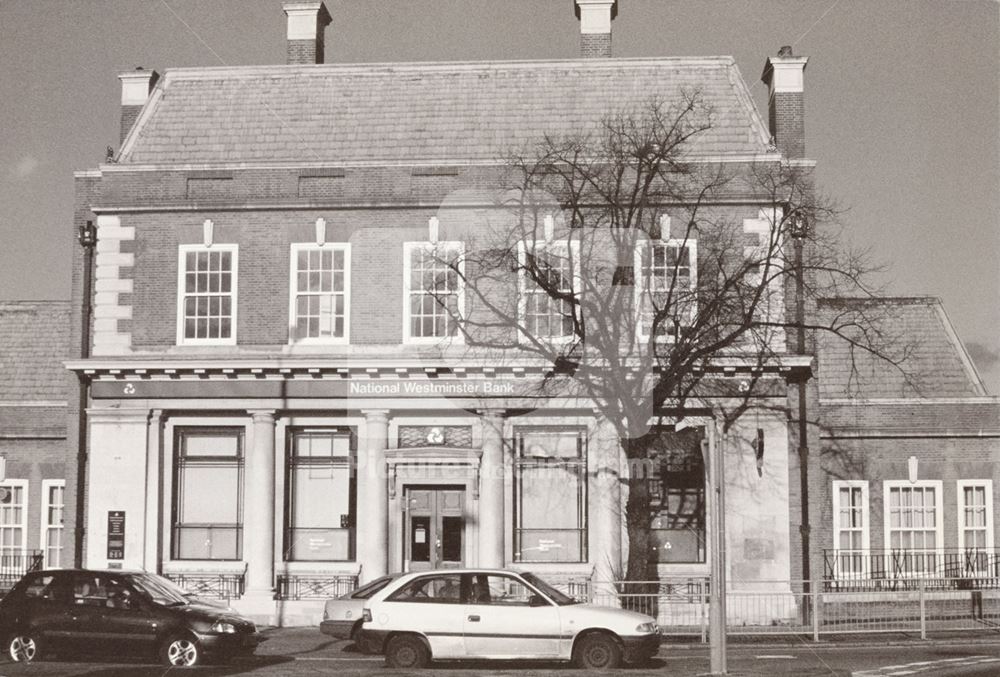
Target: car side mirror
<point>537,600</point>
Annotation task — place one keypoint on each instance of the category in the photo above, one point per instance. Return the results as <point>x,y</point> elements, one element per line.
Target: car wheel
<point>597,652</point>
<point>23,647</point>
<point>180,651</point>
<point>406,651</point>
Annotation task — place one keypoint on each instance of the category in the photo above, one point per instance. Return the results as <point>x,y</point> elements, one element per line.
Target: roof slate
<point>935,366</point>
<point>34,341</point>
<point>395,113</point>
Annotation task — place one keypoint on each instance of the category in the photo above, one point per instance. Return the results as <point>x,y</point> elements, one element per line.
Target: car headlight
<point>223,628</point>
<point>646,627</point>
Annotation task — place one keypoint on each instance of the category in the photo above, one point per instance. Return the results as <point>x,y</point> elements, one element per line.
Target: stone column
<point>491,499</point>
<point>373,497</point>
<point>606,516</point>
<point>258,507</point>
<point>152,557</point>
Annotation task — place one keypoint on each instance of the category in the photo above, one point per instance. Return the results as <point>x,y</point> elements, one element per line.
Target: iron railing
<point>15,565</point>
<point>209,584</point>
<point>899,569</point>
<point>918,605</point>
<point>314,586</point>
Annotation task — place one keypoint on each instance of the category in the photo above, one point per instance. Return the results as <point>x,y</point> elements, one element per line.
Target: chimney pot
<point>136,86</point>
<point>307,21</point>
<point>595,27</point>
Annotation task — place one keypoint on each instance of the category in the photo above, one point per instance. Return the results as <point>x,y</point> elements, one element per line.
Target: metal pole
<point>798,235</point>
<point>717,582</point>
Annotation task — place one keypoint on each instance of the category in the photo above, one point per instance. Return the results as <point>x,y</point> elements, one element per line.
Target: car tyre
<point>406,651</point>
<point>23,647</point>
<point>597,651</point>
<point>181,651</point>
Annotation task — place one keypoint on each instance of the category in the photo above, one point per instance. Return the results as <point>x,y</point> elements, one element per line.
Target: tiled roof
<point>935,363</point>
<point>416,112</point>
<point>34,341</point>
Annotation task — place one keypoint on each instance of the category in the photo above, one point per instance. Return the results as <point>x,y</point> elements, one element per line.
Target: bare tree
<point>638,271</point>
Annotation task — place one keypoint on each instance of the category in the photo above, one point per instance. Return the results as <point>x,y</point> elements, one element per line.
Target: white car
<point>486,613</point>
<point>342,615</point>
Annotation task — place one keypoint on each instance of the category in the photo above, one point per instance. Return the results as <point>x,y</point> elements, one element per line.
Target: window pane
<point>550,496</point>
<point>206,444</point>
<point>210,494</point>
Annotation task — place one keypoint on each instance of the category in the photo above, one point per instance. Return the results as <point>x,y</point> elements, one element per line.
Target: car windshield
<point>559,598</point>
<point>369,589</point>
<point>160,589</point>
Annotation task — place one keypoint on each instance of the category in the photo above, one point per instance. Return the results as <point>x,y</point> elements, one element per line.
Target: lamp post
<point>799,230</point>
<point>87,236</point>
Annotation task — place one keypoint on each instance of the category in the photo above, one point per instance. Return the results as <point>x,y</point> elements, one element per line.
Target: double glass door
<point>435,527</point>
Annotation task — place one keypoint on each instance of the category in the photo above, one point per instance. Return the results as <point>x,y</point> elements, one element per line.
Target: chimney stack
<point>136,86</point>
<point>306,24</point>
<point>784,76</point>
<point>595,27</point>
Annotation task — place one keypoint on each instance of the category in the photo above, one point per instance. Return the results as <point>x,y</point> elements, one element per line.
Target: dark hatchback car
<point>117,613</point>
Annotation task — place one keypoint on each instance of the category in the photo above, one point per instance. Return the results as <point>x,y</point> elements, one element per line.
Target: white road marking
<point>771,656</point>
<point>922,666</point>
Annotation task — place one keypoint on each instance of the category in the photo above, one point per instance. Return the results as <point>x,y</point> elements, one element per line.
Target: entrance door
<point>434,527</point>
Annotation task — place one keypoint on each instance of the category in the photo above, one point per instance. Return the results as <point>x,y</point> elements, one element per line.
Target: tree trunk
<point>640,587</point>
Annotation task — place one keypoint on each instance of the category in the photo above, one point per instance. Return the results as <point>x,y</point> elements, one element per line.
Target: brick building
<point>277,409</point>
<point>909,456</point>
<point>33,404</point>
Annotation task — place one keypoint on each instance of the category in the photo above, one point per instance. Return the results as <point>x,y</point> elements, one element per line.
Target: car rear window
<point>369,589</point>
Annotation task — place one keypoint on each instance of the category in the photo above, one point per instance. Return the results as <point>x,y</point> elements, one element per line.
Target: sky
<point>902,108</point>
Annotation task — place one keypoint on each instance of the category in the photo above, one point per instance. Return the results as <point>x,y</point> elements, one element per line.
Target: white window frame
<point>293,291</point>
<point>46,527</point>
<point>639,280</point>
<point>573,252</point>
<point>865,549</point>
<point>183,250</point>
<point>938,485</point>
<point>23,484</point>
<point>988,486</point>
<point>408,248</point>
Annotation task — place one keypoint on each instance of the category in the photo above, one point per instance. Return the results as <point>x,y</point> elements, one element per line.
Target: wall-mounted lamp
<point>87,234</point>
<point>320,231</point>
<point>208,232</point>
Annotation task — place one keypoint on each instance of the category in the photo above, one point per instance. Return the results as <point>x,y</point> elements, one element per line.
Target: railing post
<point>702,596</point>
<point>815,612</point>
<point>923,609</point>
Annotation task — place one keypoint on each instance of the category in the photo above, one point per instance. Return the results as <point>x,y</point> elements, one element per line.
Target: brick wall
<point>787,123</point>
<point>304,52</point>
<point>944,458</point>
<point>36,460</point>
<point>595,45</point>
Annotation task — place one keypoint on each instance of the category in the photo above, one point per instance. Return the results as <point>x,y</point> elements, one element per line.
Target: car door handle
<point>473,618</point>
